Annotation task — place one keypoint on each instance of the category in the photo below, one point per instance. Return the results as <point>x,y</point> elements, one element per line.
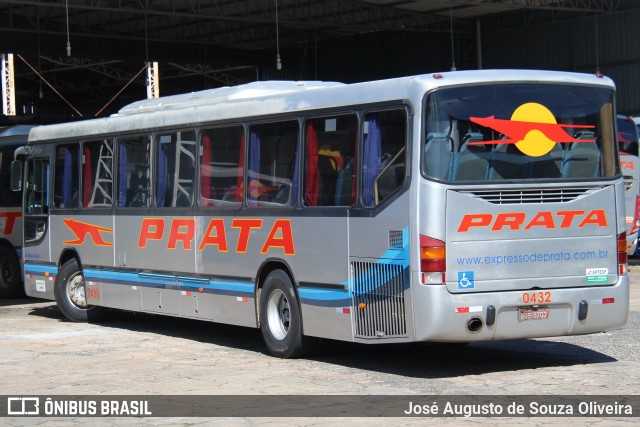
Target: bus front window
<point>519,132</point>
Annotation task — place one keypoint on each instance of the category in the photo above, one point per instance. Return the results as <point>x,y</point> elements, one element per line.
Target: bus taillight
<point>636,217</point>
<point>432,260</point>
<point>622,253</point>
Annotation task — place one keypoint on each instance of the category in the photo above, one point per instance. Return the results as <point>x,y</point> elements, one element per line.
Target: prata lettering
<point>182,231</point>
<point>517,221</point>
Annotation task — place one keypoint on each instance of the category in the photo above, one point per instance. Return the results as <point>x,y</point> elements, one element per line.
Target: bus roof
<point>274,97</point>
<point>17,130</point>
<point>15,134</point>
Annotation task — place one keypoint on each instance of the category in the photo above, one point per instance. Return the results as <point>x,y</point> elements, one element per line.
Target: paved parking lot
<point>42,354</point>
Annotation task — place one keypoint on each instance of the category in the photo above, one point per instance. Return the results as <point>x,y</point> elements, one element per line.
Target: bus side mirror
<point>16,175</point>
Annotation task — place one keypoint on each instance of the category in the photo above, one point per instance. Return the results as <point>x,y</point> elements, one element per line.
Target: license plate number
<point>525,314</point>
<point>536,297</point>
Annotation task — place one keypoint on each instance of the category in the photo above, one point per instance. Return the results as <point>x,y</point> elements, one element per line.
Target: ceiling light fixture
<point>68,42</point>
<point>278,61</point>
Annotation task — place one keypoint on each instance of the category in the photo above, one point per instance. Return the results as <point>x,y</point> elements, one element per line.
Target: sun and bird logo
<point>532,128</point>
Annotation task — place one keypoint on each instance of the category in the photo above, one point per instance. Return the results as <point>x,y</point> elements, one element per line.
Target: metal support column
<point>8,87</point>
<point>153,82</point>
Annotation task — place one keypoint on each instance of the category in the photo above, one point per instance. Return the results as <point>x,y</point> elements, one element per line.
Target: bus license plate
<point>531,314</point>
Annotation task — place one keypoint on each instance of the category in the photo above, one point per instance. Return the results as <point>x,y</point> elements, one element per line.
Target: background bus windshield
<point>519,131</point>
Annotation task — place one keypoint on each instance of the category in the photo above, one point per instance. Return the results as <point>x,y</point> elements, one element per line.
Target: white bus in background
<point>11,286</point>
<point>463,206</point>
<point>628,141</point>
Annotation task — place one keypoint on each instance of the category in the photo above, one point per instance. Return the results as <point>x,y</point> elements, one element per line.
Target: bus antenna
<point>453,58</point>
<point>596,44</point>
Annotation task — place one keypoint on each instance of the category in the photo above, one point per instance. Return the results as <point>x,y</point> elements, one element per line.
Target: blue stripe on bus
<point>40,269</point>
<point>167,281</point>
<point>324,297</point>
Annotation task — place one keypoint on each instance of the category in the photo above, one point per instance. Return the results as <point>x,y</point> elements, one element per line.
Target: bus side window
<point>175,169</point>
<point>67,181</point>
<point>384,157</point>
<point>133,172</point>
<point>221,166</point>
<point>329,166</point>
<point>97,174</point>
<point>37,187</point>
<point>273,164</point>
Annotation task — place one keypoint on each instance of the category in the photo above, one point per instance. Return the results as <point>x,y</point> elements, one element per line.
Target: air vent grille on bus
<point>378,299</point>
<point>396,241</point>
<point>628,182</point>
<point>521,196</point>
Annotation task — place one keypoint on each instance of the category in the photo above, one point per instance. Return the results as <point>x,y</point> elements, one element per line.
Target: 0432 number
<point>539,297</point>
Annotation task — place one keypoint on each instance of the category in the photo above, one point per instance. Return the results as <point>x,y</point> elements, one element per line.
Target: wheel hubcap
<point>75,290</point>
<point>278,314</point>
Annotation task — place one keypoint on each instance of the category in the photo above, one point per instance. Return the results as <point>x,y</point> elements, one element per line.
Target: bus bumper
<point>492,316</point>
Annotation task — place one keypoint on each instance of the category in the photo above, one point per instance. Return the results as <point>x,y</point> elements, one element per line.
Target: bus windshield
<point>519,132</point>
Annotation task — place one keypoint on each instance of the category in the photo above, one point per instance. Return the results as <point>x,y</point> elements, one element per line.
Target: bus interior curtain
<point>239,185</point>
<point>67,178</point>
<point>254,166</point>
<point>162,174</point>
<point>372,152</point>
<point>87,178</point>
<point>254,154</point>
<point>206,168</point>
<point>354,165</point>
<point>312,182</point>
<point>294,184</point>
<point>122,176</point>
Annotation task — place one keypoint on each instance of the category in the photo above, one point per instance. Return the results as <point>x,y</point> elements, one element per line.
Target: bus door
<point>38,278</point>
<point>379,233</point>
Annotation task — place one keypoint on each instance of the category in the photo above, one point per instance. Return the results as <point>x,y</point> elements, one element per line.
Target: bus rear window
<point>519,132</point>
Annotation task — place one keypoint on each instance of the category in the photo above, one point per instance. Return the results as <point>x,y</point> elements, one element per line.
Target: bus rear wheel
<point>10,278</point>
<point>280,317</point>
<point>69,291</point>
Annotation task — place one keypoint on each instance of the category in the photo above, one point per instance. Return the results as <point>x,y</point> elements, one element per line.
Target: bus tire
<point>69,291</point>
<point>280,317</point>
<point>10,275</point>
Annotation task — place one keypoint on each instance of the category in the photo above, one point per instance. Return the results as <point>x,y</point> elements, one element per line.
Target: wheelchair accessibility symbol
<point>466,280</point>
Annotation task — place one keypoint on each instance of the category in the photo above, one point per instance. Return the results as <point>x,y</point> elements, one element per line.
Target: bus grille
<point>628,182</point>
<point>521,196</point>
<point>396,241</point>
<point>378,299</point>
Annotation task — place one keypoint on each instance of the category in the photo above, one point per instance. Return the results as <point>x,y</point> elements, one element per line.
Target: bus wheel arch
<point>279,311</point>
<point>70,294</point>
<point>11,285</point>
<point>66,255</point>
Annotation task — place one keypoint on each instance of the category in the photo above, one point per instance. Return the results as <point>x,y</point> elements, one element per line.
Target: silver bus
<point>12,137</point>
<point>630,166</point>
<point>454,207</point>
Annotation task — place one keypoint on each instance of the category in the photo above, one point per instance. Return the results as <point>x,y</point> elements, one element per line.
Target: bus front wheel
<point>69,291</point>
<point>10,278</point>
<point>280,317</point>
